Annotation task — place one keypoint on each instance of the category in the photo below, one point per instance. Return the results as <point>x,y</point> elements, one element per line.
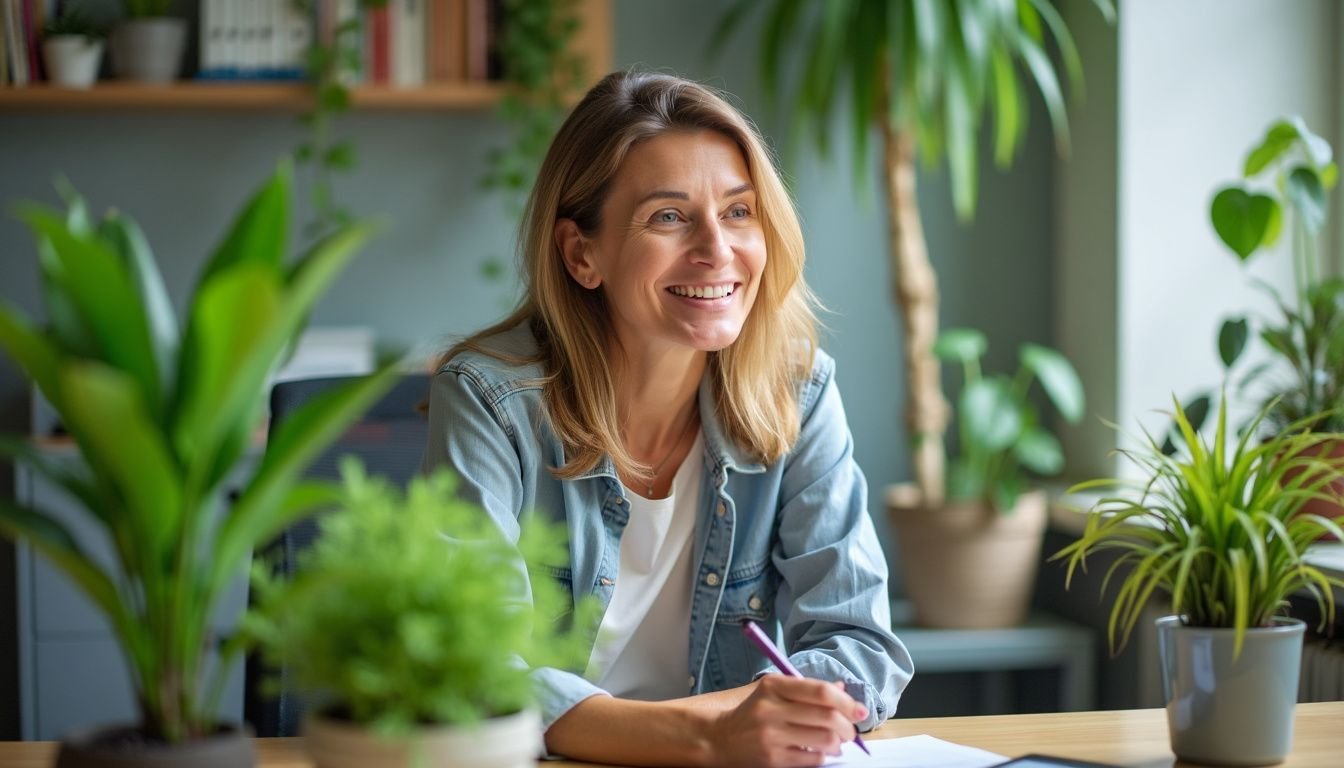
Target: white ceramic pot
<point>148,50</point>
<point>72,60</point>
<point>514,741</point>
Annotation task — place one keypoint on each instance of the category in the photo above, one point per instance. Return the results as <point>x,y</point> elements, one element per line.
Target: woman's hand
<point>786,721</point>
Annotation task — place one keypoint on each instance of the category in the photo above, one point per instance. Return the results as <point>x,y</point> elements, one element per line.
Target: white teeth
<point>703,291</point>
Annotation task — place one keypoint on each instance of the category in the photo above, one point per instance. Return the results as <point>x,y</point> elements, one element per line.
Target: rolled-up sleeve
<point>474,437</point>
<point>832,601</point>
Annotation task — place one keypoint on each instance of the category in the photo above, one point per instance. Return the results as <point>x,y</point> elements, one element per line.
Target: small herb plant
<point>1218,527</point>
<point>1001,434</point>
<point>412,609</point>
<point>73,22</point>
<point>1305,341</point>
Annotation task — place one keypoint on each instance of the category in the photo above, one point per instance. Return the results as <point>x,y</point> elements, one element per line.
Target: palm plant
<point>923,72</point>
<point>161,416</point>
<point>1219,526</point>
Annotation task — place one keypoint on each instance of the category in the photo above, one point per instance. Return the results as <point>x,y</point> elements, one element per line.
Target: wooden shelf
<point>193,95</point>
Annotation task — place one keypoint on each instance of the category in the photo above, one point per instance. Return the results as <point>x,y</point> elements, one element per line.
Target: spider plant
<point>1218,526</point>
<point>161,415</point>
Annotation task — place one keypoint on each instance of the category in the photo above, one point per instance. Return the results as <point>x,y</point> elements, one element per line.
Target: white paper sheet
<point>921,751</point>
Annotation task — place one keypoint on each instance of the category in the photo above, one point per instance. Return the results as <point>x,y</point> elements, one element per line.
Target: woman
<point>659,389</point>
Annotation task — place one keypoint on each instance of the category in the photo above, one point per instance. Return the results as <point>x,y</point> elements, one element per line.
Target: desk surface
<point>1134,738</point>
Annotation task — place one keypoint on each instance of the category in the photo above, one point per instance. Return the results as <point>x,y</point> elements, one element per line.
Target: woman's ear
<point>574,250</point>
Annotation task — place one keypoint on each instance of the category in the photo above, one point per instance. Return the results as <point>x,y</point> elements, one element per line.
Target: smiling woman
<point>659,391</point>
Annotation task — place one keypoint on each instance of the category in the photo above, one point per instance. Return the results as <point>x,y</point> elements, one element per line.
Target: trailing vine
<point>540,70</point>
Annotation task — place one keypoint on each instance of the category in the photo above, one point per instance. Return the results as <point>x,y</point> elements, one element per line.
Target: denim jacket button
<point>604,581</point>
<point>721,510</point>
<point>712,579</point>
<point>754,603</point>
<point>691,683</point>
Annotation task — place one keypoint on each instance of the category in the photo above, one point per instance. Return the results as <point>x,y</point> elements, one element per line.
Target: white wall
<point>1196,83</point>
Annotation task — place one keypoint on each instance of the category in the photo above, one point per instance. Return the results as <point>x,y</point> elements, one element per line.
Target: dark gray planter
<point>148,50</point>
<point>1225,711</point>
<point>125,747</point>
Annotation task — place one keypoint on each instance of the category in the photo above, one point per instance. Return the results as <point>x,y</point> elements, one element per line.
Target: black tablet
<point>1047,761</point>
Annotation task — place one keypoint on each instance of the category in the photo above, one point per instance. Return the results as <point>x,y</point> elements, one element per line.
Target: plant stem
<point>916,289</point>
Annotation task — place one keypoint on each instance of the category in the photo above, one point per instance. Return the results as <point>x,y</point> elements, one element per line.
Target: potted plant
<point>72,48</point>
<point>160,415</point>
<point>147,45</point>
<point>1304,338</point>
<point>409,626</point>
<point>971,562</point>
<point>1218,527</point>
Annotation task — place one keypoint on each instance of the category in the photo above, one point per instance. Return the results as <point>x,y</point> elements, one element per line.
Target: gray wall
<point>181,175</point>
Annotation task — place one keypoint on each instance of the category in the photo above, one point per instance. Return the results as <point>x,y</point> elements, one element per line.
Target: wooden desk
<point>1135,738</point>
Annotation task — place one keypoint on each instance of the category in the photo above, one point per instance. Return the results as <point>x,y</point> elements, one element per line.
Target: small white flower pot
<point>72,60</point>
<point>514,741</point>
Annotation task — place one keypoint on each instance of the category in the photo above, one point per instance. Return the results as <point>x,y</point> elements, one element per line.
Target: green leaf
<point>989,413</point>
<point>1009,123</point>
<point>1330,175</point>
<point>103,314</point>
<point>340,157</point>
<point>236,313</point>
<point>1039,451</point>
<point>1058,378</point>
<point>1232,340</point>
<point>1307,196</point>
<point>962,129</point>
<point>1242,220</point>
<point>960,344</point>
<point>124,446</point>
<point>129,242</point>
<point>260,234</point>
<point>33,352</point>
<point>1278,139</point>
<point>1043,72</point>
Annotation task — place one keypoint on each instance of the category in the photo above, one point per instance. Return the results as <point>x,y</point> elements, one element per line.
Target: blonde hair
<point>755,380</point>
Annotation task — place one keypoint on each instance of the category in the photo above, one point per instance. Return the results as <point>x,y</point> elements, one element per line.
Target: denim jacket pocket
<point>749,594</point>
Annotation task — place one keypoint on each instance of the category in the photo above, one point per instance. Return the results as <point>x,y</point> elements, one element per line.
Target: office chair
<point>389,439</point>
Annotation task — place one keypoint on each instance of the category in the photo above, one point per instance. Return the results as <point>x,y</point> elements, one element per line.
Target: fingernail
<point>860,712</point>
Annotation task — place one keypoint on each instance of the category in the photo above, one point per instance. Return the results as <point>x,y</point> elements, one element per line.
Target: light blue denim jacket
<point>789,545</point>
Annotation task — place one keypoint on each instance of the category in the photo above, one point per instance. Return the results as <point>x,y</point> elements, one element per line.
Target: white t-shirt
<point>644,642</point>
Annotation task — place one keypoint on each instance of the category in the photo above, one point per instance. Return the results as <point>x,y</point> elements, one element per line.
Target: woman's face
<point>680,250</point>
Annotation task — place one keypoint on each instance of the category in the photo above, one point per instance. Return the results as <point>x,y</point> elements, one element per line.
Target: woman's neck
<point>656,396</point>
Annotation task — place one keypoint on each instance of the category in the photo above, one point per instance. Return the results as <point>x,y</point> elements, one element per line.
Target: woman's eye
<point>666,217</point>
<point>739,212</point>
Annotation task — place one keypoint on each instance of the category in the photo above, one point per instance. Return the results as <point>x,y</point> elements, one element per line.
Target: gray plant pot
<point>1225,711</point>
<point>126,747</point>
<point>148,50</point>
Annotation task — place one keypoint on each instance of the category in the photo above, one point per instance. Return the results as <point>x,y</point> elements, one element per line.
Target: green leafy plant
<point>73,21</point>
<point>161,415</point>
<point>1219,527</point>
<point>923,73</point>
<point>1305,342</point>
<point>147,9</point>
<point>1000,433</point>
<point>414,609</point>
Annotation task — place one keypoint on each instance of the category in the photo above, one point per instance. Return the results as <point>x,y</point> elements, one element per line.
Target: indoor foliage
<point>1304,375</point>
<point>999,430</point>
<point>1218,526</point>
<point>413,609</point>
<point>162,414</point>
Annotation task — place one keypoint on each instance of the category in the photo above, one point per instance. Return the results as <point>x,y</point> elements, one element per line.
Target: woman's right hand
<point>785,722</point>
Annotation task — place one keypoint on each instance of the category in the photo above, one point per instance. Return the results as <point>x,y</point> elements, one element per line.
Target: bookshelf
<point>593,41</point>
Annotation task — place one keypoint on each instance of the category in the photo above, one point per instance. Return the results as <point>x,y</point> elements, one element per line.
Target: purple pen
<point>767,647</point>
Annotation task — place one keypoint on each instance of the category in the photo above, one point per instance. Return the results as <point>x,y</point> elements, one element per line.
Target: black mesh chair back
<point>390,440</point>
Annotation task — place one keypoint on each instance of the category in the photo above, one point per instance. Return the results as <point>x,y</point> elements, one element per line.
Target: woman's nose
<point>713,247</point>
